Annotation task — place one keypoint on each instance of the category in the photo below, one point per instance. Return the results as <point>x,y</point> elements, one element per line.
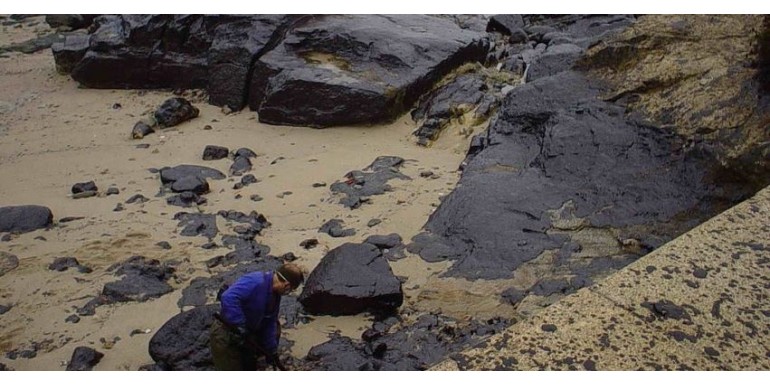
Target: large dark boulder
<point>555,146</point>
<point>22,219</point>
<point>357,69</point>
<point>175,51</point>
<point>351,279</point>
<point>147,51</point>
<point>314,71</point>
<point>234,48</point>
<point>182,343</point>
<point>68,53</point>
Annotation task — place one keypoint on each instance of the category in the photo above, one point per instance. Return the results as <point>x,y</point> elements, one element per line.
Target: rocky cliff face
<point>315,71</point>
<point>700,77</point>
<point>587,167</point>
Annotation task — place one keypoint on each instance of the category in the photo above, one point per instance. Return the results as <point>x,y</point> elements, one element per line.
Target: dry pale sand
<point>54,134</point>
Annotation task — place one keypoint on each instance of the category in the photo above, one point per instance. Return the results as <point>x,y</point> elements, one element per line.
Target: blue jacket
<point>245,304</point>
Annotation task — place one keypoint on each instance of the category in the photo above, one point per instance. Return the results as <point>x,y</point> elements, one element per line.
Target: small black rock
<point>84,358</point>
<point>209,245</point>
<point>138,198</point>
<point>548,328</point>
<point>212,152</point>
<point>78,188</point>
<point>309,243</point>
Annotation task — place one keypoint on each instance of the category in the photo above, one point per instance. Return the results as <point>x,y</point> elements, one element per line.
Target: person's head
<point>287,278</point>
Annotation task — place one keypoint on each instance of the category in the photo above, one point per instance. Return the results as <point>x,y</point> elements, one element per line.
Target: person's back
<point>248,325</point>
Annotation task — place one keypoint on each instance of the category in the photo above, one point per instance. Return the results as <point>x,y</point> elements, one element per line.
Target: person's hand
<point>275,361</point>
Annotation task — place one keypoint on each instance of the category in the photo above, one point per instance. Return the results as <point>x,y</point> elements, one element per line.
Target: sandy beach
<point>54,134</point>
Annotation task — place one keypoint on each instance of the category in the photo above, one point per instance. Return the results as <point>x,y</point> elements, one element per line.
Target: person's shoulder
<point>253,276</point>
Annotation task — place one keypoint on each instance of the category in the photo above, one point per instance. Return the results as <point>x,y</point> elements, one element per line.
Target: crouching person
<point>247,326</point>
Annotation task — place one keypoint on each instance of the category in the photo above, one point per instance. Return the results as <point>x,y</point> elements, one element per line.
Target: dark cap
<point>291,273</point>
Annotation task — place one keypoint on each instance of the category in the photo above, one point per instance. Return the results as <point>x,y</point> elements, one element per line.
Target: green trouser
<point>227,351</point>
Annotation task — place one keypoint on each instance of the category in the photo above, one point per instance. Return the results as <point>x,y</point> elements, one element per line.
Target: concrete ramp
<point>700,302</point>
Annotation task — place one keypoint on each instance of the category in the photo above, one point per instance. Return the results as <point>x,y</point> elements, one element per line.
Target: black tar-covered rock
<point>192,183</point>
<point>553,142</point>
<point>665,309</point>
<point>175,111</point>
<point>390,245</point>
<point>240,165</point>
<point>246,250</point>
<point>197,224</point>
<point>411,347</point>
<point>137,198</point>
<point>175,51</point>
<point>68,53</point>
<point>8,262</point>
<point>71,22</point>
<point>83,187</point>
<point>513,296</point>
<point>333,227</point>
<point>254,220</point>
<point>186,199</point>
<point>555,59</point>
<point>169,175</point>
<point>357,69</point>
<point>351,279</point>
<point>84,359</point>
<point>505,24</point>
<point>244,152</point>
<point>34,44</point>
<point>142,279</point>
<point>23,219</point>
<point>234,48</point>
<point>182,342</point>
<point>451,100</point>
<point>212,152</point>
<point>64,263</point>
<point>360,185</point>
<point>384,241</point>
